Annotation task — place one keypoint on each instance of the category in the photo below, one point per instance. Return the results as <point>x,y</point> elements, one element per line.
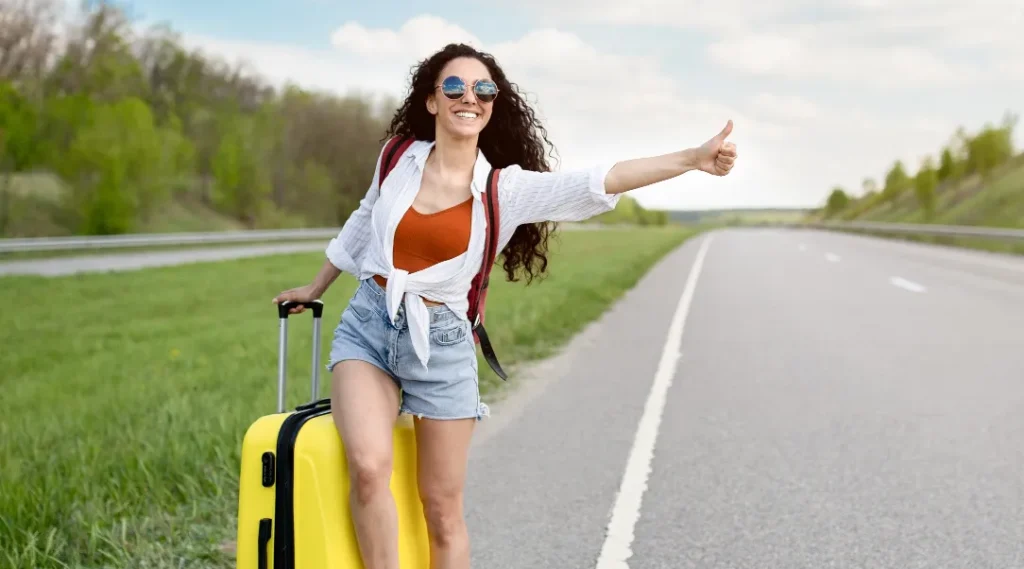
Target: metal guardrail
<point>921,229</point>
<point>171,239</point>
<point>278,235</point>
<point>83,243</point>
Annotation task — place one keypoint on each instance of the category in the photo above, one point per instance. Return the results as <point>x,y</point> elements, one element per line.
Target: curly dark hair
<point>514,135</point>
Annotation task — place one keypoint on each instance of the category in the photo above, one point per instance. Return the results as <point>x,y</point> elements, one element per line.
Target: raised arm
<point>578,195</point>
<point>713,157</point>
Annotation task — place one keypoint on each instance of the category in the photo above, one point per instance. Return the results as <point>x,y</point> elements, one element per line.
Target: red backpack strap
<point>478,291</point>
<point>393,150</point>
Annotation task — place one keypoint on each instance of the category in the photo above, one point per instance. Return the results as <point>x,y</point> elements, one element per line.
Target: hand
<point>300,294</point>
<point>716,156</point>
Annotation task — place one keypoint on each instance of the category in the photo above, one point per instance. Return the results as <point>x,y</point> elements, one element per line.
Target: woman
<point>403,343</point>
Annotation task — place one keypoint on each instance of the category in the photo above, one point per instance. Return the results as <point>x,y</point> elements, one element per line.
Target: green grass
<point>126,396</point>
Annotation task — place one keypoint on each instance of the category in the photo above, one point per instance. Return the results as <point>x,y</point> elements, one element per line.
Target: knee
<point>443,511</point>
<point>370,474</point>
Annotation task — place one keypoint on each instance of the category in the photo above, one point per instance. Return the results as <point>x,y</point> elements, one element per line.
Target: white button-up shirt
<point>365,244</point>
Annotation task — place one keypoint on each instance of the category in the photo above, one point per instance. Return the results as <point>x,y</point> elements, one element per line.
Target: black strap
<point>488,350</point>
<point>264,539</point>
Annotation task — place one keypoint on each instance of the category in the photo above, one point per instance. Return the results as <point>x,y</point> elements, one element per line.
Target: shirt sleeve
<point>346,250</point>
<point>572,195</point>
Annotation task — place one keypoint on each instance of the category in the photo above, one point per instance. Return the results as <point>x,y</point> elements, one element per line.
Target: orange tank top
<point>423,240</point>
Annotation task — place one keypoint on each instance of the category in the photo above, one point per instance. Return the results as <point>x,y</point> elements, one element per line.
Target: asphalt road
<point>837,401</point>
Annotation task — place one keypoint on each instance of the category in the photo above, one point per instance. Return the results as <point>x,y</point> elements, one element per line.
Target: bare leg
<point>365,405</point>
<point>443,452</point>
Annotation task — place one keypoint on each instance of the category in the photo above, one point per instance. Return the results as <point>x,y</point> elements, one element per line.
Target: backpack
<point>393,150</point>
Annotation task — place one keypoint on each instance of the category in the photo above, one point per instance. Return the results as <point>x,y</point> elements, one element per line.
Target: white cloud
<point>717,15</point>
<point>314,69</point>
<point>795,143</point>
<point>823,57</point>
<point>417,38</point>
<point>785,107</point>
<point>918,68</point>
<point>888,44</point>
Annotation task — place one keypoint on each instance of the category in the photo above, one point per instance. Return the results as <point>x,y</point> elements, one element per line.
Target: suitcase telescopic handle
<point>283,309</point>
<point>317,306</point>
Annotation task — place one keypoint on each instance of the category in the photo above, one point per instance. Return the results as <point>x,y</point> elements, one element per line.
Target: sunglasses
<point>454,88</point>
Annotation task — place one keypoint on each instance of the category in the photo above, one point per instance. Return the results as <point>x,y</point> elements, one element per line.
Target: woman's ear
<point>431,104</point>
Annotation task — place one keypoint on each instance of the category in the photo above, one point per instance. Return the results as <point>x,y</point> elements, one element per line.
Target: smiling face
<point>466,115</point>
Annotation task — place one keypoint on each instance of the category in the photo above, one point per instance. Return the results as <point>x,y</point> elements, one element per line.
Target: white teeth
<point>466,115</point>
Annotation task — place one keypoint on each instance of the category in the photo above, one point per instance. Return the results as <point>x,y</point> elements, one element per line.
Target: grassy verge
<point>126,395</point>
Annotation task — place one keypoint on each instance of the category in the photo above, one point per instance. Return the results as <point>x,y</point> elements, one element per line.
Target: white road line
<point>619,538</point>
<point>831,257</point>
<point>906,285</point>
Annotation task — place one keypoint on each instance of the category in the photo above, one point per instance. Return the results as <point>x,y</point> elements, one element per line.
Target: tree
<point>212,133</point>
<point>98,58</point>
<point>837,201</point>
<point>896,180</point>
<point>27,39</point>
<point>948,167</point>
<point>20,147</point>
<point>991,147</point>
<point>240,168</point>
<point>924,186</point>
<point>122,164</point>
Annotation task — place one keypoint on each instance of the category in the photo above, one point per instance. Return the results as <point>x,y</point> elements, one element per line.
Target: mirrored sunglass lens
<point>486,90</point>
<point>453,87</point>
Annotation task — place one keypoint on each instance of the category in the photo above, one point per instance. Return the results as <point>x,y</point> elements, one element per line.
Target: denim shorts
<point>448,388</point>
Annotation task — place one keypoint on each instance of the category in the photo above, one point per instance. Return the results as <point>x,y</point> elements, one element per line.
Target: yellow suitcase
<point>293,508</point>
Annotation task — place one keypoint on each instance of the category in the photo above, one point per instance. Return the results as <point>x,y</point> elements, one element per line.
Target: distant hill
<point>975,180</point>
<point>995,199</point>
<point>630,212</point>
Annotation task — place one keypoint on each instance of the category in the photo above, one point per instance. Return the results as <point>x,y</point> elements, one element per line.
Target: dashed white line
<point>903,283</point>
<point>831,257</point>
<point>619,538</point>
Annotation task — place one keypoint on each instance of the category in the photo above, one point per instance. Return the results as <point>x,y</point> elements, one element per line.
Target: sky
<point>821,93</point>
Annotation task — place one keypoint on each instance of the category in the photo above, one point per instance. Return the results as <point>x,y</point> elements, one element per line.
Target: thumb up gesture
<point>716,156</point>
